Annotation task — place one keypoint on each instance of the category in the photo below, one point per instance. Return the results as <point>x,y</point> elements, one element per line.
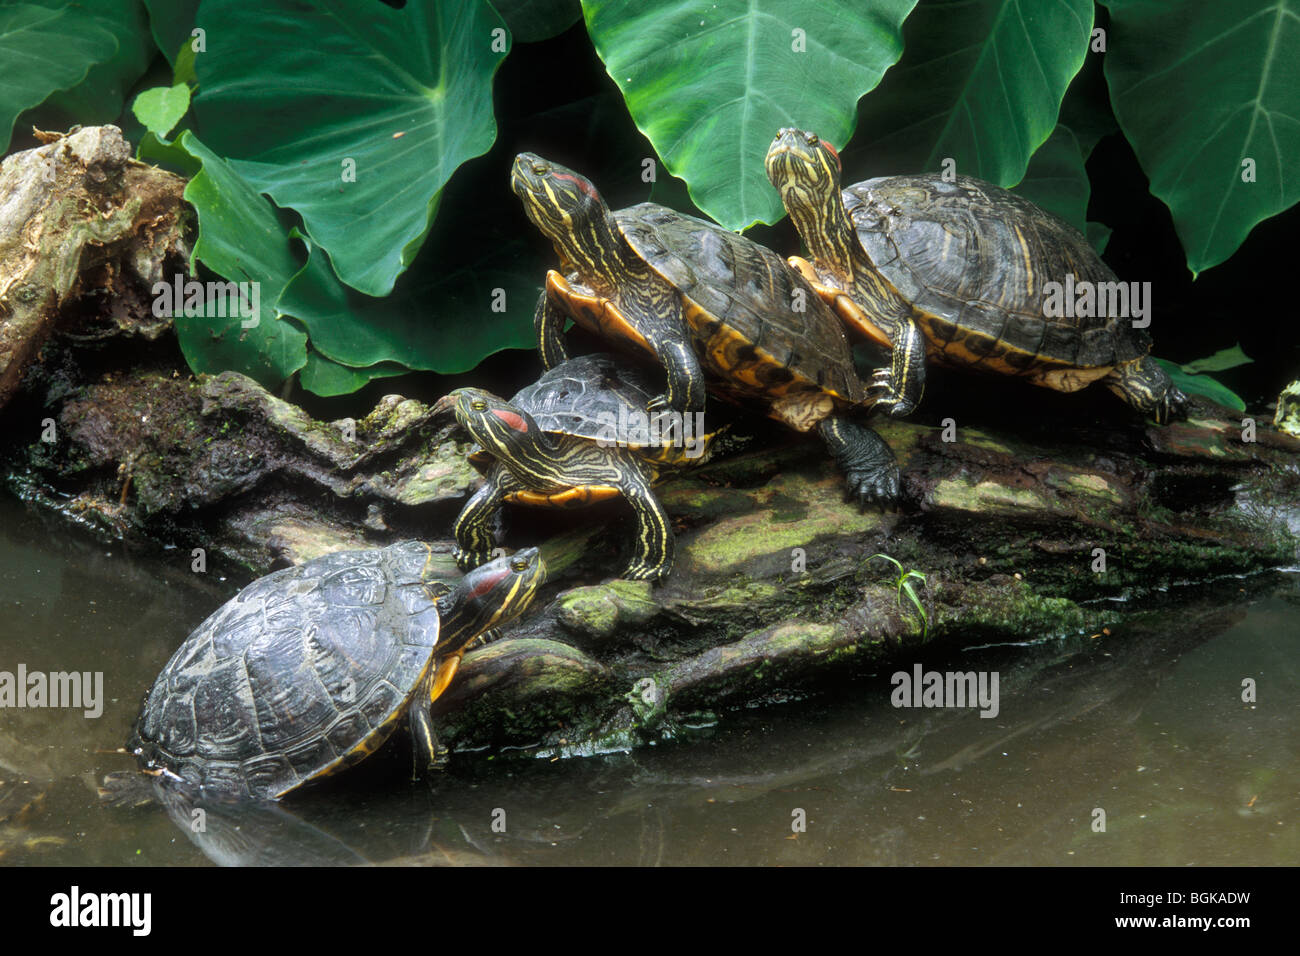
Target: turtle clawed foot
<point>664,403</point>
<point>441,757</point>
<point>642,570</point>
<point>881,486</point>
<point>438,761</point>
<point>888,400</point>
<point>1171,407</point>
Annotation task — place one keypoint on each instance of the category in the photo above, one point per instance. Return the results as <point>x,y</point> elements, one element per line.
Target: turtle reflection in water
<point>308,670</point>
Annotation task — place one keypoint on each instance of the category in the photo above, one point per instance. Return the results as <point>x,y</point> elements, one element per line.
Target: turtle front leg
<point>903,382</point>
<point>868,463</point>
<point>427,752</point>
<point>685,392</point>
<point>548,323</point>
<point>653,557</point>
<point>473,526</point>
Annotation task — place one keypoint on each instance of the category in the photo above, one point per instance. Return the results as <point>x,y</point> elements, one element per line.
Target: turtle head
<point>562,204</point>
<point>505,432</point>
<point>805,169</point>
<point>1145,385</point>
<point>802,166</point>
<point>488,597</point>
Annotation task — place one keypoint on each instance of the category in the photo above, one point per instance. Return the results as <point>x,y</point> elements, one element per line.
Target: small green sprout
<point>904,585</point>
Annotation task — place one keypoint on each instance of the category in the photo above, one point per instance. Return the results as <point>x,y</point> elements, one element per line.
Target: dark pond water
<point>1146,724</point>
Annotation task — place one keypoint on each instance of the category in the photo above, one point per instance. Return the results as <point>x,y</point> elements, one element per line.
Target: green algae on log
<point>773,589</point>
<point>1022,523</point>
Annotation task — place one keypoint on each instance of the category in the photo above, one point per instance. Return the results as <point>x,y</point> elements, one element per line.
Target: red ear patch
<point>488,583</point>
<point>578,181</point>
<point>514,421</point>
<point>835,153</point>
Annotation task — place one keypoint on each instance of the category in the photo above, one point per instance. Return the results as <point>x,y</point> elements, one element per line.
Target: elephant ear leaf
<point>979,88</point>
<point>710,84</point>
<point>1206,93</point>
<point>370,117</point>
<point>78,59</point>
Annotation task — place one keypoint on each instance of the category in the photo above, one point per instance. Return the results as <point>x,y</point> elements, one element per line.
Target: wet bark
<point>1021,527</point>
<point>79,218</point>
<point>1020,532</point>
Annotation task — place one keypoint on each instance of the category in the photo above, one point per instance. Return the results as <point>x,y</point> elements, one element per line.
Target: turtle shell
<point>762,327</point>
<point>591,396</point>
<point>974,260</point>
<point>305,671</point>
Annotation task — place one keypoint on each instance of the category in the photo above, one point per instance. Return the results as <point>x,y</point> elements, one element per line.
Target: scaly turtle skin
<point>957,270</point>
<point>759,329</point>
<point>606,285</point>
<point>581,433</point>
<point>308,670</point>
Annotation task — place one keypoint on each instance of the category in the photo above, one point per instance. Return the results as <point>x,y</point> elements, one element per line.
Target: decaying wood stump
<point>78,217</point>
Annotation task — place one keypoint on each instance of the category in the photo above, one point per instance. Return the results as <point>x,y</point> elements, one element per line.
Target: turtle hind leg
<point>1146,386</point>
<point>869,466</point>
<point>903,383</point>
<point>653,557</point>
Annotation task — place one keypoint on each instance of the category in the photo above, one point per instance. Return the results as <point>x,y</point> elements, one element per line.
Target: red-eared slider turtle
<point>309,669</point>
<point>581,433</point>
<point>607,285</point>
<point>961,271</point>
<point>757,326</point>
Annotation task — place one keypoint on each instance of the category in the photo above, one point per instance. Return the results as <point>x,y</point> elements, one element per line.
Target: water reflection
<point>1146,724</point>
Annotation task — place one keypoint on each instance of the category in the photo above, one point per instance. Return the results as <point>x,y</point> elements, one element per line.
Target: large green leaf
<point>1219,361</point>
<point>85,55</point>
<point>440,320</point>
<point>533,20</point>
<point>1194,384</point>
<point>710,84</point>
<point>323,377</point>
<point>405,95</point>
<point>1057,180</point>
<point>981,84</point>
<point>1199,89</point>
<point>240,238</point>
<point>171,22</point>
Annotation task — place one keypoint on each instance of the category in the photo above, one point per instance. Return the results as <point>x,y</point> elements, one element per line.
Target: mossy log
<point>1022,521</point>
<point>778,583</point>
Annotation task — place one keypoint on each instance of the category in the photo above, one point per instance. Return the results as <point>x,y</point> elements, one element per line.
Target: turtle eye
<point>479,405</point>
<point>519,565</point>
<point>539,169</point>
<point>810,139</point>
